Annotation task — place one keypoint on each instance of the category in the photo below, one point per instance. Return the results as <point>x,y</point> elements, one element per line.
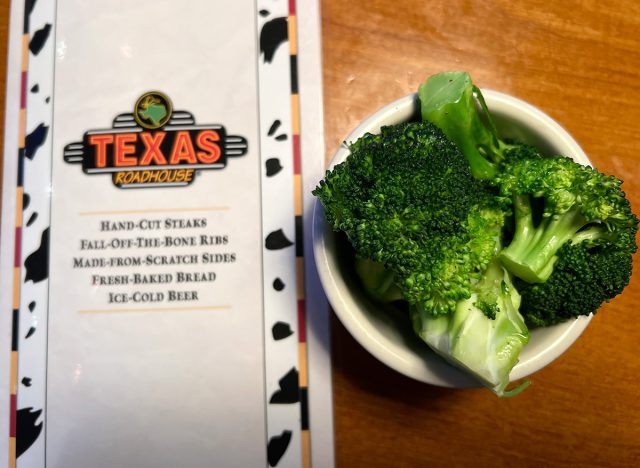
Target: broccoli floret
<point>426,207</point>
<point>583,279</point>
<point>406,198</point>
<point>379,282</point>
<point>454,104</point>
<point>518,151</point>
<point>486,347</point>
<point>484,334</point>
<point>577,203</point>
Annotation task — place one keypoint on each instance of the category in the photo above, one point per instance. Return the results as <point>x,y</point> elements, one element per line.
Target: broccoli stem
<point>592,233</point>
<point>486,347</point>
<point>453,103</point>
<point>481,167</point>
<point>532,252</point>
<point>378,281</point>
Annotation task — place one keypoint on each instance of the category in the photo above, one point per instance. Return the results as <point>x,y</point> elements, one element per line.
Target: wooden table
<point>578,61</point>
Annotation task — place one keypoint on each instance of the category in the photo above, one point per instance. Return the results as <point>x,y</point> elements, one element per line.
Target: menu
<point>159,299</point>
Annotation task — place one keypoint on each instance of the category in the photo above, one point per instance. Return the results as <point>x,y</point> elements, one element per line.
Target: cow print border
<point>27,414</point>
<point>285,339</point>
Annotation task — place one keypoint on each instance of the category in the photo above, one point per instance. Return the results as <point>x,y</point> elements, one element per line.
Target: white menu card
<point>159,300</point>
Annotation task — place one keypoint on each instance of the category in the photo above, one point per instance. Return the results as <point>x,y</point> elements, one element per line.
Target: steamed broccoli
<point>486,347</point>
<point>379,282</point>
<point>577,204</point>
<point>427,232</point>
<point>583,279</point>
<point>429,206</point>
<point>554,199</point>
<point>454,104</point>
<point>484,334</point>
<point>406,199</point>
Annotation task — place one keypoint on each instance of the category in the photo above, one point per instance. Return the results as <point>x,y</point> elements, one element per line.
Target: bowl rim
<point>372,339</point>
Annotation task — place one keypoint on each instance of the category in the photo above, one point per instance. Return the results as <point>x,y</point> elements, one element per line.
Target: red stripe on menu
<point>302,333</point>
<point>13,405</point>
<point>18,243</point>
<point>23,90</point>
<point>292,7</point>
<point>296,154</point>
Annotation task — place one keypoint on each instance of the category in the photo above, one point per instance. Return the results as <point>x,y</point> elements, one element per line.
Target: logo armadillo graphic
<point>155,146</point>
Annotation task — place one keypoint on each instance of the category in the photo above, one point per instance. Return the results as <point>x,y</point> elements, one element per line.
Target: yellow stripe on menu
<point>295,116</point>
<point>12,452</point>
<point>302,360</point>
<point>19,196</point>
<point>16,288</point>
<point>13,373</point>
<point>22,128</point>
<point>297,194</point>
<point>25,53</point>
<point>306,448</point>
<point>292,28</point>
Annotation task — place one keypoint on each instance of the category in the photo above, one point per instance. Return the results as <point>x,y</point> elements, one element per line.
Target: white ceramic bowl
<point>388,336</point>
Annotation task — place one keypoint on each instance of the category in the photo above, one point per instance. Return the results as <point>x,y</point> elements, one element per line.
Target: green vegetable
<point>484,334</point>
<point>577,204</point>
<point>424,229</point>
<point>379,282</point>
<point>452,102</point>
<point>481,236</point>
<point>407,200</point>
<point>583,279</point>
<point>487,348</point>
<point>555,201</point>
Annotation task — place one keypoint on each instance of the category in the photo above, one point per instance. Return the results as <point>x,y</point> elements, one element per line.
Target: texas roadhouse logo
<point>154,146</point>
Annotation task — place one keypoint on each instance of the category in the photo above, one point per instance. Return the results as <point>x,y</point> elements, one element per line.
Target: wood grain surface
<point>579,61</point>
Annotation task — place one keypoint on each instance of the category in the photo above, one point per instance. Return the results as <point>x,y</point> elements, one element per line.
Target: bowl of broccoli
<point>463,238</point>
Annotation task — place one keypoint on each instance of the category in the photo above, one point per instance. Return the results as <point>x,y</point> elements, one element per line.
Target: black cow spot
<point>274,128</point>
<point>31,331</point>
<point>289,390</point>
<point>32,306</point>
<point>277,447</point>
<point>281,330</point>
<point>26,199</point>
<point>273,166</point>
<point>32,218</point>
<point>47,99</point>
<point>273,33</point>
<point>26,381</point>
<point>27,431</point>
<point>34,140</point>
<point>35,88</point>
<point>277,240</point>
<point>39,39</point>
<point>37,264</point>
<point>278,284</point>
<point>28,6</point>
<point>264,13</point>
